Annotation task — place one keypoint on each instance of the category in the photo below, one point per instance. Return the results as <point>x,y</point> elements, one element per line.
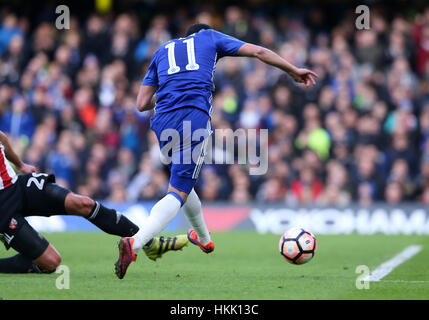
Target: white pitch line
<point>387,267</point>
<point>406,281</point>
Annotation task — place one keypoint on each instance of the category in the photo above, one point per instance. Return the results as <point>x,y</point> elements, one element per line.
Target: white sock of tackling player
<point>160,216</point>
<point>193,211</point>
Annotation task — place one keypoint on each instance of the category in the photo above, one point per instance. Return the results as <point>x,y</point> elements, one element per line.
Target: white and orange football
<point>297,245</point>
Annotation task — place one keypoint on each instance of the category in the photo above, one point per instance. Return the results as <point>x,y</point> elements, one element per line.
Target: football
<point>297,245</point>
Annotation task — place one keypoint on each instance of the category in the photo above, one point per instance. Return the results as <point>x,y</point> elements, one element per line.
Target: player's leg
<point>52,199</point>
<point>157,246</point>
<point>18,264</point>
<point>198,234</point>
<point>182,180</point>
<point>49,261</point>
<point>35,254</point>
<point>44,197</point>
<point>160,216</point>
<point>106,219</point>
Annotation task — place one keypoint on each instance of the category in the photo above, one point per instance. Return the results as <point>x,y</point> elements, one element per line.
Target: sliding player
<point>181,75</point>
<point>34,193</point>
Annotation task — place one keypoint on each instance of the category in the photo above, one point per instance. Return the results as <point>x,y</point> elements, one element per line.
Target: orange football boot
<point>193,237</point>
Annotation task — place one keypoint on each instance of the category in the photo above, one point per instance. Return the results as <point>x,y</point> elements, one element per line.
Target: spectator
<point>393,193</point>
<point>307,188</point>
<point>18,122</point>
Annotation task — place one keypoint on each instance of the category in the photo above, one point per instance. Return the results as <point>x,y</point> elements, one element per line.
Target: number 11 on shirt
<point>190,49</point>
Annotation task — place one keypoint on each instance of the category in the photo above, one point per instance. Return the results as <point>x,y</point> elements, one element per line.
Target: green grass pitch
<point>244,265</point>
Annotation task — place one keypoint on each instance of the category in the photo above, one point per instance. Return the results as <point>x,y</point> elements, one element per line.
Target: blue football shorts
<point>183,136</point>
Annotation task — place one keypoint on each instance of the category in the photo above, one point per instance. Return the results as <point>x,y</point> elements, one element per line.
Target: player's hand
<point>305,76</point>
<point>27,168</point>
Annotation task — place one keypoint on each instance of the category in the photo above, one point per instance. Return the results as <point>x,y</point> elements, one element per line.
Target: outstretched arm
<point>144,98</point>
<point>13,157</point>
<point>269,57</point>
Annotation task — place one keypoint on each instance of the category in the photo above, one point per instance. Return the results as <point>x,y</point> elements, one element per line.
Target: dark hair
<point>197,27</point>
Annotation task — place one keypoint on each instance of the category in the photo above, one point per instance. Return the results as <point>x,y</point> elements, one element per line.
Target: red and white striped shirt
<point>7,175</point>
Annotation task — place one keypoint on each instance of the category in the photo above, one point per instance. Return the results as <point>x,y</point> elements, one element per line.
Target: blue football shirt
<point>183,69</point>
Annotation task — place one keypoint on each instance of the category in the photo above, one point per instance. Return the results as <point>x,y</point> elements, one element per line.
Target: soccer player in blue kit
<point>181,74</point>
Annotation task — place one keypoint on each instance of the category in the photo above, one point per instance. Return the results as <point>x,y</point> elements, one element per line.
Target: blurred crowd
<point>67,101</point>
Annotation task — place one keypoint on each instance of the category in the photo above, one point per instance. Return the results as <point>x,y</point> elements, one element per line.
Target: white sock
<point>194,213</point>
<point>160,216</point>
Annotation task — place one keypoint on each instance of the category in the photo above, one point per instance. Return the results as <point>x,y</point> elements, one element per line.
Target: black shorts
<point>33,194</point>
